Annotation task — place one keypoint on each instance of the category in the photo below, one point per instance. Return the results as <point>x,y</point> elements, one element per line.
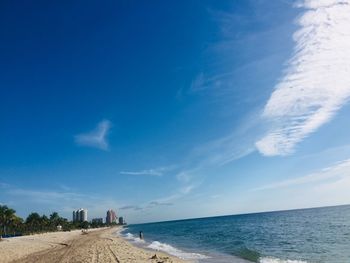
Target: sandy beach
<point>101,245</point>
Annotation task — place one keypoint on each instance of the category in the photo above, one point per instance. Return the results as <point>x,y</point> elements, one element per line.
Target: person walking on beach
<point>141,235</point>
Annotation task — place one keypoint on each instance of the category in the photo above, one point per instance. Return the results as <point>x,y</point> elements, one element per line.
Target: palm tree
<point>34,221</point>
<point>17,224</point>
<point>7,216</point>
<point>54,218</point>
<point>45,223</point>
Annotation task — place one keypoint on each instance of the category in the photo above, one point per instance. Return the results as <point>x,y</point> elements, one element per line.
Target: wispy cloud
<point>96,138</point>
<point>157,203</point>
<point>165,201</point>
<point>316,83</point>
<point>149,205</point>
<point>237,144</point>
<point>204,83</point>
<point>183,176</point>
<point>131,207</point>
<point>180,192</point>
<point>187,189</point>
<point>151,172</point>
<point>334,172</point>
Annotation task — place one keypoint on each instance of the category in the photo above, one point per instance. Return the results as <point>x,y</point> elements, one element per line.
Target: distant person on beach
<point>141,235</point>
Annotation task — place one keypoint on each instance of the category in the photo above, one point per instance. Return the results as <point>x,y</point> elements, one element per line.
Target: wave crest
<point>156,245</point>
<point>277,260</point>
<point>132,238</point>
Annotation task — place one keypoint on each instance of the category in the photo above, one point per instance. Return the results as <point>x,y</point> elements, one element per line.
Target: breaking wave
<point>132,238</point>
<point>174,251</point>
<point>158,246</point>
<point>277,260</point>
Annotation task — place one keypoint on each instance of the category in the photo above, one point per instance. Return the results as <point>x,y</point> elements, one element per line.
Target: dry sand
<point>62,247</point>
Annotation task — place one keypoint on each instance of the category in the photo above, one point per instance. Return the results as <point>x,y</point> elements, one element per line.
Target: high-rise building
<point>83,215</point>
<point>121,221</point>
<point>111,217</point>
<point>80,215</point>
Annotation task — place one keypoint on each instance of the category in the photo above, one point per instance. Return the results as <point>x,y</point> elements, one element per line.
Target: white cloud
<point>187,189</point>
<point>336,172</point>
<point>184,176</point>
<point>131,207</point>
<point>151,172</point>
<point>96,138</point>
<point>316,83</point>
<point>226,149</point>
<point>157,203</point>
<point>150,205</point>
<point>327,187</point>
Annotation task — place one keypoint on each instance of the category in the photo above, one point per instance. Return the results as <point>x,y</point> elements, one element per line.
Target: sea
<point>294,236</point>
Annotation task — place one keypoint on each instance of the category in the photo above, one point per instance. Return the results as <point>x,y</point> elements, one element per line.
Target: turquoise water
<point>306,235</point>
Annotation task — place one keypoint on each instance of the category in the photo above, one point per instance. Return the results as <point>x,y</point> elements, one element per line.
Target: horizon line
<point>242,214</point>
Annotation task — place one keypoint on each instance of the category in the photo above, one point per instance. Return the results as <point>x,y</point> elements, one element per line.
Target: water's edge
<point>184,254</point>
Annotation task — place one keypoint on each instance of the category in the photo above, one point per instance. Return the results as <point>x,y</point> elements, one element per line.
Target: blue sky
<point>174,109</point>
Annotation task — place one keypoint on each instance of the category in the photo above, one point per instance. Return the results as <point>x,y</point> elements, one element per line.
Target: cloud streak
<point>150,172</point>
<point>166,201</point>
<point>337,171</point>
<point>149,205</point>
<point>157,203</point>
<point>131,207</point>
<point>96,138</point>
<point>316,83</point>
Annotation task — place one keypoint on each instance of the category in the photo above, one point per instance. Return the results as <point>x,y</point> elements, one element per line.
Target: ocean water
<point>296,236</point>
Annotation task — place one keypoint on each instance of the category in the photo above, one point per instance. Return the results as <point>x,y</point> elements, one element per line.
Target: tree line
<point>13,225</point>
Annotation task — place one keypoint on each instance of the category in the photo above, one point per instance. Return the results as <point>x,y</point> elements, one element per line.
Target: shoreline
<point>155,246</point>
<point>186,255</point>
<point>99,245</point>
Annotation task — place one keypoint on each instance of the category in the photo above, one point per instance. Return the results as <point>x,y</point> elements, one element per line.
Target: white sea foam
<point>174,251</point>
<point>277,260</point>
<point>132,238</point>
<point>158,246</point>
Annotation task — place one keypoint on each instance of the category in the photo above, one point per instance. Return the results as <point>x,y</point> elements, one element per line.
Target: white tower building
<point>80,215</point>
